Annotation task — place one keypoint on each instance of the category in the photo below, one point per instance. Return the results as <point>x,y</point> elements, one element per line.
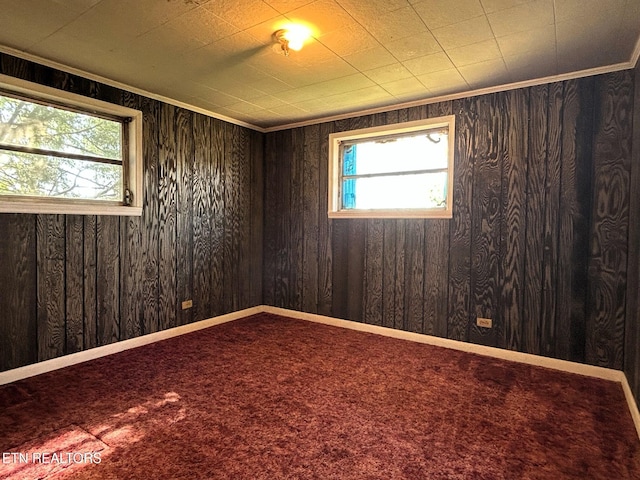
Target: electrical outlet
<point>187,304</point>
<point>484,322</point>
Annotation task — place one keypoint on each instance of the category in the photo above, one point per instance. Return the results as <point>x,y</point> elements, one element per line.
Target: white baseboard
<point>93,353</point>
<point>553,363</point>
<point>562,365</point>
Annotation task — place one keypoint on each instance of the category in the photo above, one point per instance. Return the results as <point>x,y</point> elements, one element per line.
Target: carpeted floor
<point>269,397</point>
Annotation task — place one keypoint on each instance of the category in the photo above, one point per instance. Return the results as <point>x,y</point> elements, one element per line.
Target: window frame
<point>398,129</point>
<point>132,166</point>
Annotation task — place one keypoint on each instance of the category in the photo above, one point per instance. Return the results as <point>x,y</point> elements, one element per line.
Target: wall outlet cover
<point>484,322</point>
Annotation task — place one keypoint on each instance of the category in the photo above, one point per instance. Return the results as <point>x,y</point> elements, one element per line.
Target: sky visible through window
<point>395,188</point>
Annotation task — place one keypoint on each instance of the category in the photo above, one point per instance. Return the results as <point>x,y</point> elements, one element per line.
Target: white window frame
<point>335,175</point>
<point>133,168</point>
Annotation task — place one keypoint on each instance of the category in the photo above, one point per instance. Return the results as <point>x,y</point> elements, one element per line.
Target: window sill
<point>391,214</point>
<point>68,209</point>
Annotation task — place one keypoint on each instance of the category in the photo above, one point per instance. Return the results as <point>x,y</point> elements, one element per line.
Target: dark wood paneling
<point>108,280</point>
<point>150,216</point>
<point>201,218</point>
<point>573,225</point>
<point>90,281</point>
<point>373,272</point>
<point>296,227</point>
<point>513,228</point>
<point>257,218</point>
<point>436,259</point>
<point>184,213</point>
<point>231,168</point>
<point>535,209</point>
<point>50,248</point>
<point>18,328</point>
<point>74,284</point>
<point>71,283</point>
<point>310,200</point>
<point>632,318</point>
<point>486,215</point>
<point>552,211</point>
<point>218,183</point>
<point>325,226</point>
<point>609,220</point>
<point>283,272</point>
<point>270,220</point>
<point>167,198</point>
<point>132,267</point>
<point>460,225</point>
<point>526,225</point>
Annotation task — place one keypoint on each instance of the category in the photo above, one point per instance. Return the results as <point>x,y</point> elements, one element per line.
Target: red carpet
<point>269,397</point>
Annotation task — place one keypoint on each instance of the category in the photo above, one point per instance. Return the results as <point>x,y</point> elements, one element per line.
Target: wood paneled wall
<point>69,282</point>
<point>632,325</point>
<point>538,240</point>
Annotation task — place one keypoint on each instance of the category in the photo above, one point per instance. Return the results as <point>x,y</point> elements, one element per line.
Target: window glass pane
<point>426,190</point>
<point>25,174</point>
<point>27,124</point>
<point>403,154</point>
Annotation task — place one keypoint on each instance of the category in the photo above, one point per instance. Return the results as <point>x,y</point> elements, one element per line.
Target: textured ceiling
<point>217,56</point>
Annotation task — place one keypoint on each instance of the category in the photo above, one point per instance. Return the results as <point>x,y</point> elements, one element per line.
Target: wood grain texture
<point>325,225</point>
<point>167,218</point>
<point>18,301</point>
<point>632,320</point>
<point>232,220</point>
<point>355,252</point>
<point>486,214</point>
<point>550,291</point>
<point>609,233</point>
<point>555,292</point>
<point>573,222</point>
<point>184,146</point>
<point>373,276</point>
<point>256,215</point>
<point>414,275</point>
<point>104,279</point>
<point>514,227</point>
<point>150,216</point>
<point>270,219</point>
<point>399,317</point>
<point>74,284</point>
<point>90,278</point>
<point>283,270</point>
<point>218,184</point>
<point>244,206</point>
<point>201,217</point>
<point>296,218</point>
<point>108,280</point>
<point>50,242</point>
<point>340,271</point>
<point>436,257</point>
<point>535,209</point>
<point>131,293</point>
<point>310,217</point>
<point>389,273</point>
<point>460,227</point>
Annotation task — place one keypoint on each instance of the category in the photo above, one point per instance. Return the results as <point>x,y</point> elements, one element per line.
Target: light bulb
<point>296,35</point>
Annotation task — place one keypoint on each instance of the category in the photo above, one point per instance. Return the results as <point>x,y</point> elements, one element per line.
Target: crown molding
<point>465,94</point>
<point>356,113</point>
<point>123,86</point>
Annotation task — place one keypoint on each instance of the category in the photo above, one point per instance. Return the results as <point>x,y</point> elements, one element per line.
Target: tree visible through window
<point>54,152</point>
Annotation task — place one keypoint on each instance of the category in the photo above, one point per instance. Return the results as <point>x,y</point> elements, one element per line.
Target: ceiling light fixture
<point>291,38</point>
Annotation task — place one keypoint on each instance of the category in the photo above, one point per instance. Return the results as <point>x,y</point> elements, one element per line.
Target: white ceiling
<point>216,55</point>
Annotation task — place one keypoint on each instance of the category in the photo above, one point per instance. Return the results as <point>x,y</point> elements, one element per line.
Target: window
<point>397,171</point>
<point>64,153</point>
